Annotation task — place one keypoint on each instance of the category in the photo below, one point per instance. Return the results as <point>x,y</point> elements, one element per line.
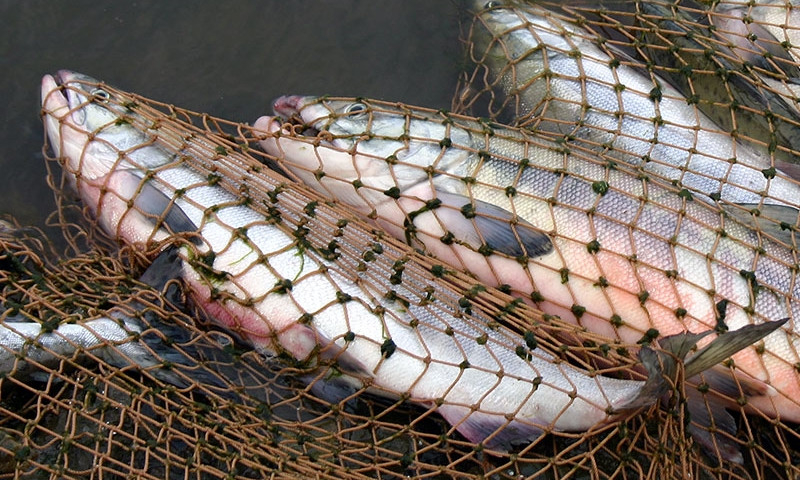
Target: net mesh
<point>206,405</point>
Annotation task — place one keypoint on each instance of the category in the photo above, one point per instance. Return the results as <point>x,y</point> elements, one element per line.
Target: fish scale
<point>545,73</point>
<point>626,254</point>
<point>255,272</point>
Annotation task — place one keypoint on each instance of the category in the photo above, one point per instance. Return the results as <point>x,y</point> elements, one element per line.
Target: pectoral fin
<point>166,267</point>
<point>789,168</point>
<point>157,206</point>
<point>783,65</point>
<point>479,224</point>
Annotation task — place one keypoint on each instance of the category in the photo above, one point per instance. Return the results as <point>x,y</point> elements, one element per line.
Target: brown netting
<point>274,424</point>
<point>181,396</point>
<point>662,218</point>
<point>630,70</point>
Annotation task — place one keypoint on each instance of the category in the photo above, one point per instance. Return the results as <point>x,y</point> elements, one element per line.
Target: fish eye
<point>355,108</point>
<point>101,94</point>
<point>493,4</point>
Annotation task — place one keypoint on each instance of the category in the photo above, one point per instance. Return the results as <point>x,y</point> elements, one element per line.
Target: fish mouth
<point>287,127</point>
<point>55,95</point>
<point>288,108</point>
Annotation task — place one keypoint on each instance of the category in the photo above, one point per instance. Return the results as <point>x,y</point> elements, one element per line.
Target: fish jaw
<point>289,105</point>
<point>307,167</point>
<point>72,121</point>
<point>54,107</point>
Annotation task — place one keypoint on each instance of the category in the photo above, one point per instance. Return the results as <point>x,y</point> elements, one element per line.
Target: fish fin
<point>158,207</point>
<point>656,385</point>
<point>333,389</point>
<point>710,423</point>
<point>493,430</point>
<point>773,49</point>
<point>722,381</point>
<point>166,267</point>
<point>170,352</point>
<point>790,169</point>
<point>169,344</point>
<point>480,223</point>
<point>662,365</point>
<point>728,343</point>
<point>777,214</point>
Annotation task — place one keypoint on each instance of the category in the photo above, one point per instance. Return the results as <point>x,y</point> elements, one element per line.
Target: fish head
<point>371,128</point>
<point>513,28</point>
<point>357,150</point>
<point>105,149</point>
<point>78,109</point>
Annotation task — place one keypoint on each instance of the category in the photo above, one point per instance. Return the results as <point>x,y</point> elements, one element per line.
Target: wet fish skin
<point>626,255</point>
<point>781,18</point>
<point>739,87</point>
<point>559,80</point>
<point>121,338</point>
<point>428,360</point>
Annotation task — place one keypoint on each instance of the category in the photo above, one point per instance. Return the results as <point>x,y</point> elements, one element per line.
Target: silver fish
<point>124,337</point>
<point>572,232</point>
<point>261,280</point>
<point>554,76</point>
<point>781,18</point>
<point>727,86</point>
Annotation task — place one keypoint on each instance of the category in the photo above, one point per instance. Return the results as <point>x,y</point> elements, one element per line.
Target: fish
<point>779,18</point>
<point>549,75</point>
<point>260,280</point>
<point>730,87</point>
<point>130,334</point>
<point>567,230</point>
<point>779,22</point>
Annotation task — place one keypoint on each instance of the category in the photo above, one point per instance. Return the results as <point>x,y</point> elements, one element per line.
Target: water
<point>229,59</point>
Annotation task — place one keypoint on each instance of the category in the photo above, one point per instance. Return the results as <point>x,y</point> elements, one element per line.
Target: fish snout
<point>287,105</point>
<point>64,76</point>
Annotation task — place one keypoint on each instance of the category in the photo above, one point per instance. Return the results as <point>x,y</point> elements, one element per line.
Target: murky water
<point>226,58</point>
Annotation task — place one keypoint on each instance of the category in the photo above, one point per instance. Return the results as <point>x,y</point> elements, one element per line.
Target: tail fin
<point>727,344</point>
<point>662,370</point>
<point>662,366</point>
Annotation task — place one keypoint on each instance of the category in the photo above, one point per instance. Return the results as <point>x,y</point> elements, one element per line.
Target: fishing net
<point>251,416</point>
<point>274,411</point>
<point>645,251</point>
<point>178,396</point>
<point>624,78</point>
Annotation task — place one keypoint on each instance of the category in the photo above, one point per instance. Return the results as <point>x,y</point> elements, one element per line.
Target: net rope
<point>592,90</point>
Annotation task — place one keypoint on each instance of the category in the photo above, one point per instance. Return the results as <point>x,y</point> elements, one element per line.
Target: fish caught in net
<point>356,288</point>
<point>620,83</point>
<point>411,367</point>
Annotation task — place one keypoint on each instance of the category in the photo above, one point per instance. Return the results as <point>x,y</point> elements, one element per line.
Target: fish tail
<point>662,375</point>
<point>728,343</point>
<point>662,365</point>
